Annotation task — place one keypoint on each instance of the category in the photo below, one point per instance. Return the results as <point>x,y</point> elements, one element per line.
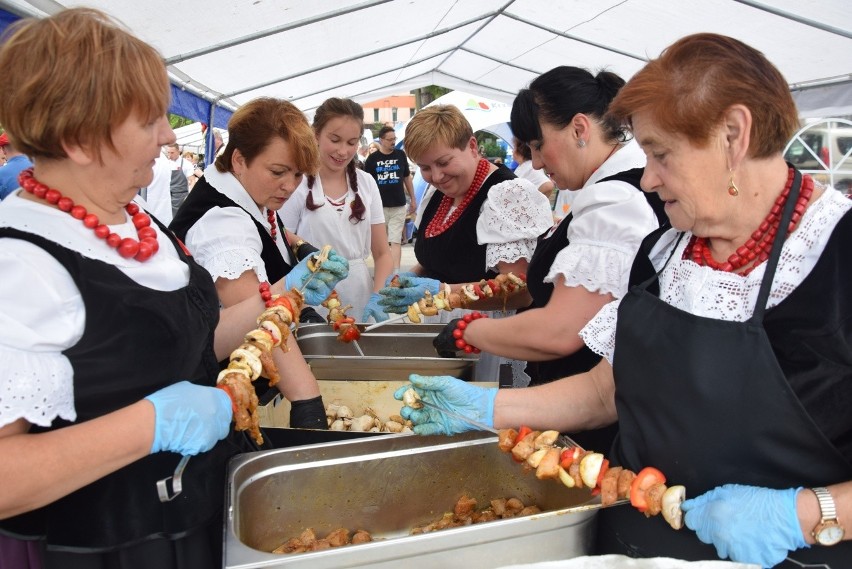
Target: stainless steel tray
<point>388,486</point>
<point>391,352</point>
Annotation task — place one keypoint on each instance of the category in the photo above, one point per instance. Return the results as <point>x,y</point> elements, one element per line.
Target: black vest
<point>136,341</point>
<point>455,256</point>
<point>545,253</point>
<point>204,197</point>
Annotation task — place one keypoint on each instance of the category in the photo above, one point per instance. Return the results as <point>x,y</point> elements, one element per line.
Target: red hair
<point>688,89</point>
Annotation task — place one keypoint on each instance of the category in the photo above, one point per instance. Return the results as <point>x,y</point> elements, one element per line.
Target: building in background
<point>390,110</point>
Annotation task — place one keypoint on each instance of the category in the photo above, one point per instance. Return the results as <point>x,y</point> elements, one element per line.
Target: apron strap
<point>645,249</point>
<point>775,254</point>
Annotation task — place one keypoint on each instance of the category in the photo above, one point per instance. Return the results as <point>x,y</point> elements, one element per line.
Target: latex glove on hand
<point>409,291</point>
<point>400,275</point>
<point>445,342</point>
<point>747,524</point>
<point>452,394</point>
<point>320,285</point>
<point>189,418</point>
<point>374,310</point>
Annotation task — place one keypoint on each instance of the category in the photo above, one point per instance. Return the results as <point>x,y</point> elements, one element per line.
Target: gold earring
<point>733,190</point>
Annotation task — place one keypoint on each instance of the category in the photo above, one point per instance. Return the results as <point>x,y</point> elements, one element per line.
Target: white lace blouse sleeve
<point>510,221</point>
<point>599,333</point>
<point>610,220</point>
<point>41,314</point>
<point>225,242</point>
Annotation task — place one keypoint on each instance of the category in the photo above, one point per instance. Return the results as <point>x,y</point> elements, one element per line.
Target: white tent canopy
<point>231,52</point>
<point>482,113</point>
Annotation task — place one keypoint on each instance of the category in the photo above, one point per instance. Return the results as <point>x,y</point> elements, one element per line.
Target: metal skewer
<point>390,320</point>
<point>358,347</point>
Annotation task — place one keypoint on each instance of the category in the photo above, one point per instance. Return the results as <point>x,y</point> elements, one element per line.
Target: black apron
<point>172,338</point>
<point>455,256</point>
<point>705,401</point>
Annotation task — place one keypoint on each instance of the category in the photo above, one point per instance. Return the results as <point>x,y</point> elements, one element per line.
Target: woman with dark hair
<point>727,364</point>
<point>522,155</point>
<point>584,262</point>
<point>341,206</point>
<point>229,223</point>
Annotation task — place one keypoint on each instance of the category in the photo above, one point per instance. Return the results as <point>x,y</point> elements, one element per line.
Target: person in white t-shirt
<point>342,206</point>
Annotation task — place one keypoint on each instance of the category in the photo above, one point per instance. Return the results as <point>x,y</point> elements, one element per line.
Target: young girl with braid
<point>341,206</point>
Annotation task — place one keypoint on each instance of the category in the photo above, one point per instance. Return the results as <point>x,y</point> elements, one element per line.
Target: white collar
<point>228,185</point>
<point>628,157</point>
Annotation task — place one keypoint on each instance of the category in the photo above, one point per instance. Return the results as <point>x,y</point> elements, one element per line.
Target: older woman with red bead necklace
<point>481,221</point>
<point>727,364</point>
<point>107,336</point>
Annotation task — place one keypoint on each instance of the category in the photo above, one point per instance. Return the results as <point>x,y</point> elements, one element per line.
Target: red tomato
<point>646,478</point>
<point>522,432</point>
<point>567,457</point>
<point>604,468</point>
<point>351,333</point>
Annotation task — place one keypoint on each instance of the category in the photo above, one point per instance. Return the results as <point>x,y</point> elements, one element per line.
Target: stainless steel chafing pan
<point>387,486</point>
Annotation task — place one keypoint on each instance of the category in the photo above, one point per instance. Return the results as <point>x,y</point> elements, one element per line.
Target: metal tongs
<point>177,487</point>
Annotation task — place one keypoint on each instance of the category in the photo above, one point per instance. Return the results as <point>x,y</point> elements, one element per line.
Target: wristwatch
<point>828,531</point>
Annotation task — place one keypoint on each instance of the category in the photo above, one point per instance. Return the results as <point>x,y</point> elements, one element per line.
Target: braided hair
<point>331,109</point>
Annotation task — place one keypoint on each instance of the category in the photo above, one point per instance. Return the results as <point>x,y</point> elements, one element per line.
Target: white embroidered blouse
<point>705,292</point>
<point>42,312</point>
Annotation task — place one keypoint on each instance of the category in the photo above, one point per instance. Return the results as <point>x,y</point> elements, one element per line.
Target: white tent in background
<point>190,137</point>
<point>482,113</point>
<point>306,52</point>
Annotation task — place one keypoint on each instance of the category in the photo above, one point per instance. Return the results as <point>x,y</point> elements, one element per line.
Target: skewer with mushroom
<point>347,330</point>
<point>503,286</point>
<point>253,359</point>
<point>578,468</point>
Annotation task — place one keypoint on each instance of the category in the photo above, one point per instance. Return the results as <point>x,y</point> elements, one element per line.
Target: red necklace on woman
<point>141,250</point>
<point>442,221</point>
<point>756,249</point>
<point>273,225</point>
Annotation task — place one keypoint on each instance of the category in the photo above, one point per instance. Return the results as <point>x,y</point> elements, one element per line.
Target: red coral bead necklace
<point>273,229</point>
<point>756,249</point>
<point>443,219</point>
<point>142,249</point>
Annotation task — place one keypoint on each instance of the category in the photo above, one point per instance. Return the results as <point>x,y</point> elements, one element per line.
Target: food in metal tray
<point>341,418</point>
<point>308,541</point>
<point>465,513</point>
<point>579,468</point>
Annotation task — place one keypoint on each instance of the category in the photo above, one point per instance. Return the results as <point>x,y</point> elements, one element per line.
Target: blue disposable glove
<point>318,288</point>
<point>452,394</point>
<point>189,418</point>
<point>747,524</point>
<point>409,291</point>
<point>402,274</point>
<point>373,309</point>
